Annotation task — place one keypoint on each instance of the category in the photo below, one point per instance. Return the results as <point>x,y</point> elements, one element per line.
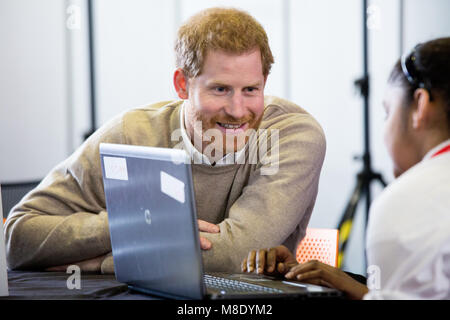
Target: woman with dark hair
<point>408,235</point>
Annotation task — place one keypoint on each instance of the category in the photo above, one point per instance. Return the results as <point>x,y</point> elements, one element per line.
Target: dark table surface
<point>56,285</point>
<point>35,285</point>
<point>102,294</point>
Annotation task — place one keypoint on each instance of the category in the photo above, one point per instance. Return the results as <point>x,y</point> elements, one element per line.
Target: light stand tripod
<point>366,175</point>
<point>93,106</point>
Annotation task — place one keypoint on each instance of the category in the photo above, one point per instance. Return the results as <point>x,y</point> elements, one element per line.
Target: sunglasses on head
<point>409,68</point>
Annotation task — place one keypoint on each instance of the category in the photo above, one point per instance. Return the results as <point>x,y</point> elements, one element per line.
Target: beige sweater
<point>64,219</point>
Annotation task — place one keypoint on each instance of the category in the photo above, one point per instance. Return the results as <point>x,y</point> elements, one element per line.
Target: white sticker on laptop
<point>173,187</point>
<point>115,168</point>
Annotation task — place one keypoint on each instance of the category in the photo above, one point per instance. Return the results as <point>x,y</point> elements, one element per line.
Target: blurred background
<point>45,88</point>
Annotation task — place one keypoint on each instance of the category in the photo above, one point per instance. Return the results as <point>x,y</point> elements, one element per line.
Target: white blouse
<point>408,235</point>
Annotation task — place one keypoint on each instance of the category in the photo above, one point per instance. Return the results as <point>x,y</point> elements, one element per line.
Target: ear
<point>180,83</point>
<point>422,109</point>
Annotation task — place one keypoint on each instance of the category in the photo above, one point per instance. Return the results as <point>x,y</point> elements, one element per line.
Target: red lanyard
<point>441,151</point>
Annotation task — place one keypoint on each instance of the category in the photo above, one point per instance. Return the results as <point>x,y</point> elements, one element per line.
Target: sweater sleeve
<point>276,204</point>
<point>64,220</point>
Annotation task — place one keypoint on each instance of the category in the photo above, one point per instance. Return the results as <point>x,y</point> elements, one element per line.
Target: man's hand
<point>322,274</point>
<point>204,226</point>
<point>90,265</point>
<point>270,261</point>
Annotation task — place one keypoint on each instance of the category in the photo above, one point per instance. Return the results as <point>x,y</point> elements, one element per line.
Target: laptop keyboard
<point>230,285</point>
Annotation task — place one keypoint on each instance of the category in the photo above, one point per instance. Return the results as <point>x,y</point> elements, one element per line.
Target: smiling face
<point>225,101</point>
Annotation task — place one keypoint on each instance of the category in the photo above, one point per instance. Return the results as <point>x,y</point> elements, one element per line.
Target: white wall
<point>425,20</point>
<point>33,106</point>
<point>77,77</point>
<point>317,44</point>
<point>134,56</point>
<point>326,42</point>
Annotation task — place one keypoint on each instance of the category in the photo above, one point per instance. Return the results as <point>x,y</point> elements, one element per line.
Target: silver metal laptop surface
<point>154,234</point>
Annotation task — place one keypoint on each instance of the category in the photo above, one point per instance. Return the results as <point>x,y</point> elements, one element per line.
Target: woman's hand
<point>281,261</point>
<point>315,272</point>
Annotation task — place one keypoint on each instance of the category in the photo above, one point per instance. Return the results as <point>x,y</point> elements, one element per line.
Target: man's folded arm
<point>38,241</point>
<point>63,220</point>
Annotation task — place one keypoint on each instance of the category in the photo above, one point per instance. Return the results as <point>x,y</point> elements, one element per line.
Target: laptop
<point>3,271</point>
<point>154,233</point>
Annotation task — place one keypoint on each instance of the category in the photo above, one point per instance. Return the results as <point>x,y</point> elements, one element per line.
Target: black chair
<point>12,193</point>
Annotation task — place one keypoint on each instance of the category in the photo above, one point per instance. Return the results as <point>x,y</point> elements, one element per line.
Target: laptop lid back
<point>152,219</point>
